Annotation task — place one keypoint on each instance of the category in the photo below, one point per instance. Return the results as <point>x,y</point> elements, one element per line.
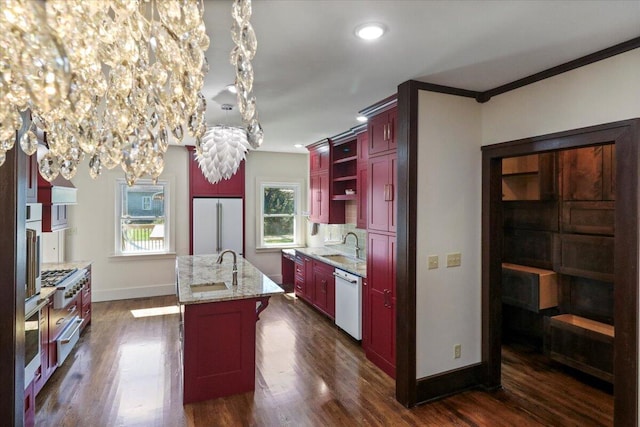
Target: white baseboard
<point>98,295</point>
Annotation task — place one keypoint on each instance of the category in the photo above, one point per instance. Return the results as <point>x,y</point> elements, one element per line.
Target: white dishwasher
<point>349,303</point>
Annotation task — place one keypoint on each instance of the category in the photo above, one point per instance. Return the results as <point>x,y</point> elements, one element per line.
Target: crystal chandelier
<point>246,45</point>
<point>221,150</point>
<point>113,80</point>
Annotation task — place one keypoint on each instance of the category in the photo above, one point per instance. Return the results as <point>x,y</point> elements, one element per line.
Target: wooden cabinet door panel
<point>393,193</point>
<point>391,132</point>
<point>378,212</point>
<point>309,288</point>
<point>589,173</point>
<point>377,134</point>
<point>361,220</point>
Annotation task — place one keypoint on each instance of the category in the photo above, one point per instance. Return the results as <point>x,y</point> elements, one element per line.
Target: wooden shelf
<point>584,323</point>
<point>522,174</point>
<point>345,159</point>
<point>345,197</point>
<point>345,178</point>
<point>581,343</point>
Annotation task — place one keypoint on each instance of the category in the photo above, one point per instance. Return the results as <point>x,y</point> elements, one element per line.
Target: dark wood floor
<point>126,372</point>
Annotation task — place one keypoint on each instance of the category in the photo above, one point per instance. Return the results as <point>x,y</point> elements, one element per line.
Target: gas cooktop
<point>52,278</point>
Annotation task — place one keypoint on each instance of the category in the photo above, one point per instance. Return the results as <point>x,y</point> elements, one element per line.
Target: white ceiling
<point>312,74</point>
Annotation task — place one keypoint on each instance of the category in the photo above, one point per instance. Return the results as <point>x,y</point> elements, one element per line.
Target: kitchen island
<point>218,321</point>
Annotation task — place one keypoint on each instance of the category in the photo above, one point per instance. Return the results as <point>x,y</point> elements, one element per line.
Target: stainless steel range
<point>68,283</point>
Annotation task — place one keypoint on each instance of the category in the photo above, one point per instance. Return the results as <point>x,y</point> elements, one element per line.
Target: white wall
<point>449,211</point>
<point>602,92</point>
<point>273,166</point>
<point>92,234</point>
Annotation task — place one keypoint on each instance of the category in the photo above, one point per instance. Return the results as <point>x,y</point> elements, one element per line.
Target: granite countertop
<point>358,267</point>
<point>69,265</point>
<point>199,280</point>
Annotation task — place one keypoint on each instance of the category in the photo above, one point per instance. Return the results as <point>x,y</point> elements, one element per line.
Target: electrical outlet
<point>433,261</point>
<point>454,259</point>
<point>457,351</point>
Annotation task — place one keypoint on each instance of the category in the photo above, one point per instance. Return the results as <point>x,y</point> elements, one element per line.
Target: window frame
<point>297,186</point>
<point>120,185</point>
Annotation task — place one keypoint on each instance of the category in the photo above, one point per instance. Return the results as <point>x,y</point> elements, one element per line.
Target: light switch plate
<point>433,261</point>
<point>454,259</point>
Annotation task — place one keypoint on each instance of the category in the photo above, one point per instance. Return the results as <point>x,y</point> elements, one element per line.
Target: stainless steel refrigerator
<point>217,225</point>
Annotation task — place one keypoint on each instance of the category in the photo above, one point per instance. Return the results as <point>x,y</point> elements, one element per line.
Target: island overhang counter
<point>218,322</point>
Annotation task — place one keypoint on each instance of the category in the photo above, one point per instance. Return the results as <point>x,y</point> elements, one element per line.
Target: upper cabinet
<point>382,132</point>
<point>589,173</point>
<point>344,168</point>
<point>530,177</point>
<point>323,208</point>
<point>361,189</point>
<point>382,193</point>
<point>200,187</point>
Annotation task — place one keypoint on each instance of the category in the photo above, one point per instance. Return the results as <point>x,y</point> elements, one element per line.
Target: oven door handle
<point>67,336</point>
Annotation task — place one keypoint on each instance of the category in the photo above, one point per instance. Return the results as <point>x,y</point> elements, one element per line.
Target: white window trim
<point>169,207</point>
<point>262,182</point>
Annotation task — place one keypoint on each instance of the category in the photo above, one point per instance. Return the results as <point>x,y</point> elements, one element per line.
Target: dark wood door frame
<point>626,137</point>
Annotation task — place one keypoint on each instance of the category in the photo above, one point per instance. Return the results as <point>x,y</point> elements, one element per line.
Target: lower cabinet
<point>314,283</point>
<point>30,405</point>
<point>85,301</point>
<point>379,314</point>
<point>48,351</point>
<point>325,288</point>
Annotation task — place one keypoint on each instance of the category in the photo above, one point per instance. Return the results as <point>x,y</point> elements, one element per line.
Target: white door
<point>205,226</point>
<point>232,220</point>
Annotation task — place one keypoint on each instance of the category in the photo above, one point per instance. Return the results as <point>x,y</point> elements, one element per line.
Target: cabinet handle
<point>319,196</point>
<point>386,132</point>
<point>324,286</point>
<point>390,193</point>
<point>389,131</point>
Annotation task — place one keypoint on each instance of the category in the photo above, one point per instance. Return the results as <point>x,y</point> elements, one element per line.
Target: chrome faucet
<point>234,271</point>
<point>357,247</point>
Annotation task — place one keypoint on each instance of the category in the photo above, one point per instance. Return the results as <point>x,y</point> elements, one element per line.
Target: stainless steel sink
<point>342,259</point>
<point>215,286</point>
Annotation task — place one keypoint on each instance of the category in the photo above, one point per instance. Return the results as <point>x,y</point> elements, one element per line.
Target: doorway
<point>625,136</point>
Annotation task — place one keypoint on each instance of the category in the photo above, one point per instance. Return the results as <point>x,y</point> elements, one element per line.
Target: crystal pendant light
<point>221,150</point>
<point>113,80</point>
<point>244,37</point>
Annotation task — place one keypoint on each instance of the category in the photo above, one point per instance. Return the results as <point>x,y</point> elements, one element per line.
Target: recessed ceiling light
<point>298,145</point>
<point>232,88</point>
<point>362,119</point>
<point>370,31</point>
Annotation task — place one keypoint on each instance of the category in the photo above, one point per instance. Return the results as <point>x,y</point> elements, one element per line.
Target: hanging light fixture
<point>221,150</point>
<point>244,37</point>
<point>113,80</point>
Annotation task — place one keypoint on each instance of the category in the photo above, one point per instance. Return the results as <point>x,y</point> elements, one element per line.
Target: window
<point>142,225</point>
<point>279,215</point>
<point>146,203</point>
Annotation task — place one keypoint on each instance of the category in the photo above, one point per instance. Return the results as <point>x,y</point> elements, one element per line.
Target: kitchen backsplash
<point>334,233</point>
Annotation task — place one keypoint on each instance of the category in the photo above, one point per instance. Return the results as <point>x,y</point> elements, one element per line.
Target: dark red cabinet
<point>200,187</point>
<point>309,290</point>
<point>363,173</point>
<point>382,132</point>
<point>323,209</point>
<point>29,405</point>
<point>382,193</point>
<point>380,299</point>
<point>85,300</point>
<point>325,288</point>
